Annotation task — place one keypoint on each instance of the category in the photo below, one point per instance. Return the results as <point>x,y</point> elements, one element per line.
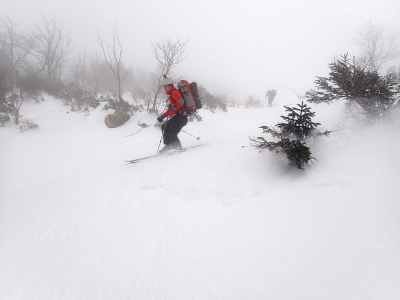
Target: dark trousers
<point>171,129</point>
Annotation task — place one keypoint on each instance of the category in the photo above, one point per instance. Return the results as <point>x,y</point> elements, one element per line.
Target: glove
<point>171,107</point>
<point>160,118</point>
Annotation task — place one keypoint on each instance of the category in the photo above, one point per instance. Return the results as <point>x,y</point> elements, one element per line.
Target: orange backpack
<point>190,96</point>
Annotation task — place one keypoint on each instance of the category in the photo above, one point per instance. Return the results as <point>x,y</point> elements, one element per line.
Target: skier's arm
<point>176,103</point>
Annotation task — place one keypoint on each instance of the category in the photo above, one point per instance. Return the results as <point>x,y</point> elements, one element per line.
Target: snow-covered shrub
<point>27,125</point>
<point>252,102</point>
<point>212,102</point>
<point>359,86</point>
<point>196,117</point>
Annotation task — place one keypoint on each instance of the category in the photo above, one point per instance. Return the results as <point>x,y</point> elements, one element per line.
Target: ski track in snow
<point>220,221</point>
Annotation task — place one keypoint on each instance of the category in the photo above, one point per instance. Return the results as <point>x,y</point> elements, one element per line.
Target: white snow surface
<point>220,221</point>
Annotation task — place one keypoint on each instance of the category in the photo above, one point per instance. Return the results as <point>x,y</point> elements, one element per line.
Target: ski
<point>157,155</point>
<point>141,158</point>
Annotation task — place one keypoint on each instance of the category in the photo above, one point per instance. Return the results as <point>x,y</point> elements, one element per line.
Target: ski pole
<point>159,144</point>
<point>197,137</point>
<point>162,134</point>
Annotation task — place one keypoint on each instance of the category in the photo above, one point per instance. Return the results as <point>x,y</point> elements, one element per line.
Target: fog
<point>238,48</point>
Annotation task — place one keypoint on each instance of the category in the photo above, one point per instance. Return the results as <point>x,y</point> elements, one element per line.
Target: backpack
<point>190,95</point>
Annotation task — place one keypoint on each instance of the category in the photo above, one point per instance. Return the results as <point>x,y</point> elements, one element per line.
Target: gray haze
<point>239,48</point>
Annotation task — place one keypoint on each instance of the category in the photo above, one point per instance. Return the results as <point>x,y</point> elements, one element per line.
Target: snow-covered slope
<point>220,221</point>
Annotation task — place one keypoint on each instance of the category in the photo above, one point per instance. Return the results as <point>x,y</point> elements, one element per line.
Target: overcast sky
<point>240,48</point>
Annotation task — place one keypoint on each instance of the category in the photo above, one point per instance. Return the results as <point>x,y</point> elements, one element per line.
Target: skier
<point>176,117</point>
<point>271,95</point>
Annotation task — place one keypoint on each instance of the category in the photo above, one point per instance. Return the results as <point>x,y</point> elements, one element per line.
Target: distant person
<point>176,118</point>
<point>271,95</point>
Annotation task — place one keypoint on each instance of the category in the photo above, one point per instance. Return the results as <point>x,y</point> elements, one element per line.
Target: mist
<point>237,48</point>
<point>220,220</point>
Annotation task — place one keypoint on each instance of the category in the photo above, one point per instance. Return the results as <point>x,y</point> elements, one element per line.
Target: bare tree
<point>168,54</point>
<point>378,46</point>
<point>52,48</point>
<point>78,71</point>
<point>113,53</point>
<point>93,78</point>
<point>15,48</point>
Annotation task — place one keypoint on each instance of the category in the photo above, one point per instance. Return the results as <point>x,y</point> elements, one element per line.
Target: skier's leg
<point>176,125</point>
<point>165,127</point>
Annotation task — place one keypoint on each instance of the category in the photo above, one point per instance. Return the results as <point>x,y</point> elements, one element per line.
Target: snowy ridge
<point>220,222</point>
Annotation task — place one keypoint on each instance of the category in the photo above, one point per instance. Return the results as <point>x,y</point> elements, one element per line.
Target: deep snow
<point>221,221</point>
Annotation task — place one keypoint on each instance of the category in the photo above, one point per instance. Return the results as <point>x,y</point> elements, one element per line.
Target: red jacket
<point>176,102</point>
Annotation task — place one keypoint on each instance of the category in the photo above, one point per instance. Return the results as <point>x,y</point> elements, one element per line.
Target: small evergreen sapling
<point>298,126</point>
<point>298,122</point>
